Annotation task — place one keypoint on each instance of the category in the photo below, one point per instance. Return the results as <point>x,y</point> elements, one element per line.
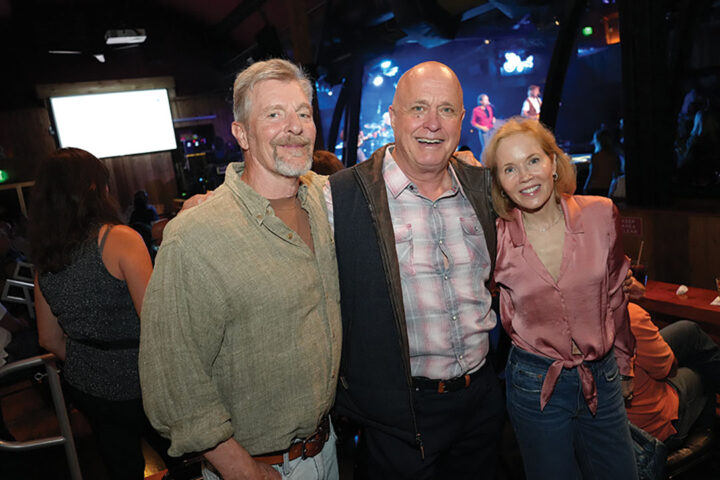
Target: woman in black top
<point>91,275</point>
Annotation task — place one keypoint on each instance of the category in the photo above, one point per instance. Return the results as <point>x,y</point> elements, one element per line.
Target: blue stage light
<point>385,64</point>
<point>378,80</point>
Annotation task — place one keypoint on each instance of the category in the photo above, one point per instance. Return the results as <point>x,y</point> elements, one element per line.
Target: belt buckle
<point>441,386</point>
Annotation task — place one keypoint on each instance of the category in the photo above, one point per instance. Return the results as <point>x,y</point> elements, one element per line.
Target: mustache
<point>291,140</point>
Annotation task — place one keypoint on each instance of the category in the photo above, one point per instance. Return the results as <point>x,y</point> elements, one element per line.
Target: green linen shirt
<point>241,331</point>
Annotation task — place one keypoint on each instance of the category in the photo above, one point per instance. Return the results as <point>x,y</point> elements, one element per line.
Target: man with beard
<point>241,332</point>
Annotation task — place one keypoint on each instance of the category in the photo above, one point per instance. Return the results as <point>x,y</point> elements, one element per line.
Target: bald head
<point>426,116</point>
<point>424,71</point>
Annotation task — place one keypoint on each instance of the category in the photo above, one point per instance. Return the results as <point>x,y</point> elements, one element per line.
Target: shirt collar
<point>257,205</point>
<point>397,182</point>
<point>571,211</point>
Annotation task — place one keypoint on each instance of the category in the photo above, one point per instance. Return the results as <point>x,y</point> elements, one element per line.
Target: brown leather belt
<point>309,447</point>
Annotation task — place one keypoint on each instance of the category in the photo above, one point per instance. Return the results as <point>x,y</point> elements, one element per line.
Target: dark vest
<point>375,382</point>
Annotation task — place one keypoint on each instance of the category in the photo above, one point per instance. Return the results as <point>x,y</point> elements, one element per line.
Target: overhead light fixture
<point>125,36</point>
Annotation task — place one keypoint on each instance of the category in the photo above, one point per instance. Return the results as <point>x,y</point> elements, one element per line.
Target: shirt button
<point>445,277</point>
<point>259,217</point>
<point>290,236</point>
<point>435,205</point>
<point>460,357</point>
<point>440,242</point>
<point>454,317</point>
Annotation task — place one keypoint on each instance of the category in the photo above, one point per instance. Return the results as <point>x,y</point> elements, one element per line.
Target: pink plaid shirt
<point>444,264</point>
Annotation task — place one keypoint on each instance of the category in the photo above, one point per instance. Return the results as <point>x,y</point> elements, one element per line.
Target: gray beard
<point>289,169</point>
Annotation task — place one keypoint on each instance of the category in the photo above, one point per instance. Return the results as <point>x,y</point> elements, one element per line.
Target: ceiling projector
<point>125,36</point>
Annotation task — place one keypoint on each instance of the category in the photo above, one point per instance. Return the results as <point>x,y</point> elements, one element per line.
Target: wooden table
<point>695,305</point>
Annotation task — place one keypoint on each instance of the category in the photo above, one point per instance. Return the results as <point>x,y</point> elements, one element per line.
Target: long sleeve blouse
<point>585,304</point>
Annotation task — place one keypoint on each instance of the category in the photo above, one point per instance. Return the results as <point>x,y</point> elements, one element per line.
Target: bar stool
<point>66,437</point>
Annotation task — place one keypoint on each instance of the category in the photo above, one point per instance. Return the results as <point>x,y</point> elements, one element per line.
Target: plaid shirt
<point>444,264</point>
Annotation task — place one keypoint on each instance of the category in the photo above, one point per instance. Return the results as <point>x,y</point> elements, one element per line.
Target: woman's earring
<point>502,194</point>
<point>555,177</point>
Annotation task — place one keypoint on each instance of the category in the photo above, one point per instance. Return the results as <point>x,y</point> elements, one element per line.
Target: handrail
<point>66,439</point>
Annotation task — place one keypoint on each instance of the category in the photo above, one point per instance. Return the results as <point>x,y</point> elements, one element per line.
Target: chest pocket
<point>474,238</point>
<point>404,248</point>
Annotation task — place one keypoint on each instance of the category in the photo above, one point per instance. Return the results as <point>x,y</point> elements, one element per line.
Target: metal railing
<point>66,437</point>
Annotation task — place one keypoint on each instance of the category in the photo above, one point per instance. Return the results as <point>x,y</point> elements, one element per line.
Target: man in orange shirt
<point>677,373</point>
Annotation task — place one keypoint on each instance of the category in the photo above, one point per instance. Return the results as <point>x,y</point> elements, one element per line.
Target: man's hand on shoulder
<point>467,157</point>
<point>195,200</point>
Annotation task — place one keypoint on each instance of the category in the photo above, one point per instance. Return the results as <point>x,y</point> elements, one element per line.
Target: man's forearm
<point>233,462</point>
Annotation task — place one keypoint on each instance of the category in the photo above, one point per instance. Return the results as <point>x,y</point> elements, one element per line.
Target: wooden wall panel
<point>680,247</point>
<point>152,172</point>
<point>25,137</point>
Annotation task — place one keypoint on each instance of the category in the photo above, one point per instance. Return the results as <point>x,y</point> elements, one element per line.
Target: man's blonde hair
<point>273,69</point>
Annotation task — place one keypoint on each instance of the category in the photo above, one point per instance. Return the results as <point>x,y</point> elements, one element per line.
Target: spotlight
<point>378,80</point>
<point>385,64</point>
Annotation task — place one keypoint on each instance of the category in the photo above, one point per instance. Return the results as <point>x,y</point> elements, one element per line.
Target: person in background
<point>414,234</point>
<point>560,268</point>
<point>241,331</point>
<point>483,118</point>
<point>677,375</point>
<point>605,165</point>
<point>325,163</point>
<point>91,274</point>
<point>532,104</point>
<point>142,212</point>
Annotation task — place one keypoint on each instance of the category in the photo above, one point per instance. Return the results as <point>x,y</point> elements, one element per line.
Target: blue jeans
<point>564,440</point>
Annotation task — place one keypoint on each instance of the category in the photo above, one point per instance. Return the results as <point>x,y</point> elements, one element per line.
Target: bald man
<point>415,241</point>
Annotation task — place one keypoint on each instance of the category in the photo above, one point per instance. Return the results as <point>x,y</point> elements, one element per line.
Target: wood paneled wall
<point>25,137</point>
<point>679,246</point>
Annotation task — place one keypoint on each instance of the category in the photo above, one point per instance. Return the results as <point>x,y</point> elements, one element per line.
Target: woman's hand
<point>627,386</point>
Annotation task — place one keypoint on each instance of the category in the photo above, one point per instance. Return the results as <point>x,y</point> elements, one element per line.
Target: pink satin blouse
<point>585,304</point>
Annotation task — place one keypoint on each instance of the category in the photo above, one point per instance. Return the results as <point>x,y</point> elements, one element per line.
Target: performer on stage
<point>483,118</point>
<point>533,102</point>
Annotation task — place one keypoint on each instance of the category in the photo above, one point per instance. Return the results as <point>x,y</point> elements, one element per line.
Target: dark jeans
<point>461,432</point>
<point>118,427</point>
<point>698,378</point>
<point>565,440</point>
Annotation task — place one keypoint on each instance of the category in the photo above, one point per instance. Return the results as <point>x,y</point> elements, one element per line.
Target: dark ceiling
<point>203,43</point>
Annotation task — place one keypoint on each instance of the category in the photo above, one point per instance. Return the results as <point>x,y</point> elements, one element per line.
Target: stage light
<point>378,80</point>
<point>3,176</point>
<point>329,93</point>
<point>391,72</point>
<point>385,64</point>
<point>587,31</point>
<point>487,41</point>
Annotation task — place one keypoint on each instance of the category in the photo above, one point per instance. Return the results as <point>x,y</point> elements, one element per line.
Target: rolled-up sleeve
<point>182,331</point>
<point>618,265</point>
